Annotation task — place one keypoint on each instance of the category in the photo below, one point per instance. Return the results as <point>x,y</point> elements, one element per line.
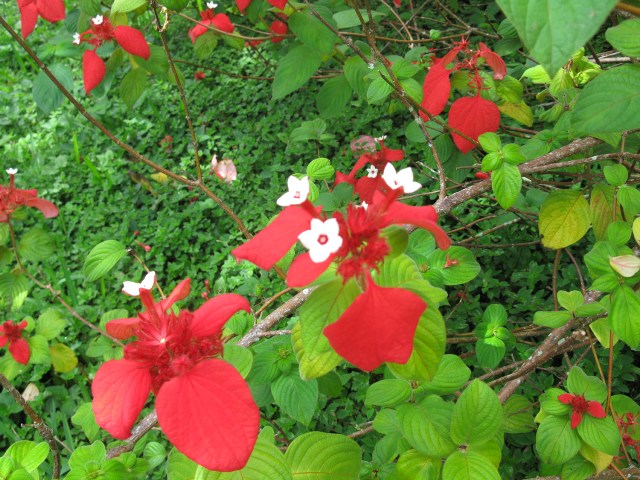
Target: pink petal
<point>423,217</point>
<point>243,4</point>
<point>595,410</point>
<point>576,418</point>
<point>51,10</point>
<point>132,41</point>
<point>222,22</point>
<point>472,116</point>
<point>378,327</point>
<point>28,16</point>
<point>209,319</point>
<point>303,270</point>
<point>93,70</point>
<point>19,349</point>
<point>436,89</point>
<point>45,206</point>
<point>278,3</point>
<point>120,389</point>
<point>566,398</point>
<point>123,328</point>
<point>275,240</point>
<point>196,31</point>
<point>210,416</point>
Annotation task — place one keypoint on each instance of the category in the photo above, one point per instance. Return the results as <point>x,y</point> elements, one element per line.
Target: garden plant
<point>279,239</point>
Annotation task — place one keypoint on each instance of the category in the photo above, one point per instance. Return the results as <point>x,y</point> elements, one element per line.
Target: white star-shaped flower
<point>76,38</point>
<point>380,139</point>
<point>12,171</point>
<point>212,5</point>
<point>297,194</point>
<point>322,239</point>
<point>403,178</point>
<point>372,172</point>
<point>97,20</point>
<point>133,288</point>
<point>364,205</point>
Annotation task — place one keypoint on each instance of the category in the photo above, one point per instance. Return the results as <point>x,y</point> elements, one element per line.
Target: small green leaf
<point>426,426</point>
<point>520,112</point>
<point>592,388</point>
<point>39,348</point>
<point>450,377</point>
<point>625,315</point>
<point>46,93</point>
<point>477,415</point>
<point>179,467</point>
<point>378,91</point>
<point>388,393</point>
<point>564,218</point>
<point>85,419</point>
<point>324,456</point>
<point>556,441</point>
<point>550,404</point>
<point>133,86</point>
<point>490,351</point>
<point>294,70</point>
<point>102,258</point>
<point>28,454</point>
<point>154,453</point>
<point>616,175</point>
<point>320,169</point>
<point>50,324</point>
<point>600,433</point>
<point>604,209</point>
<point>506,182</point>
<point>312,32</point>
<point>490,142</point>
<point>405,69</point>
<point>570,300</point>
<point>126,6</point>
<point>35,245</point>
<point>625,37</point>
<point>518,415</point>
<point>412,465</point>
<point>469,466</point>
<point>462,266</point>
<point>296,397</point>
<point>63,358</point>
<point>205,44</point>
<point>491,162</point>
<point>513,154</point>
<point>241,358</point>
<point>333,97</point>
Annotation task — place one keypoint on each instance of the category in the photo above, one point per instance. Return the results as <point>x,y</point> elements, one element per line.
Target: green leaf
<point>205,44</point>
<point>378,91</point>
<point>521,112</point>
<point>39,348</point>
<point>551,319</point>
<point>28,454</point>
<point>355,71</point>
<point>577,469</point>
<point>625,37</point>
<point>617,174</point>
<point>309,130</point>
<point>426,426</point>
<point>450,377</point>
<point>579,383</point>
<point>90,7</point>
<point>46,93</point>
<point>600,433</point>
<point>405,69</point>
<point>462,265</point>
<point>324,456</point>
<point>296,397</point>
<point>241,358</point>
<point>412,465</point>
<point>564,218</point>
<point>556,441</point>
<point>127,5</point>
<point>477,415</point>
<point>294,70</point>
<point>89,458</point>
<point>155,454</point>
<point>570,300</point>
<point>14,288</point>
<point>133,86</point>
<point>509,89</point>
<point>490,351</point>
<point>320,169</point>
<point>518,415</point>
<point>629,198</point>
<point>179,467</point>
<point>63,358</point>
<point>550,404</point>
<point>469,466</point>
<point>506,182</point>
<point>544,31</point>
<point>608,103</point>
<point>266,462</point>
<point>625,315</point>
<point>85,419</point>
<point>312,32</point>
<point>333,97</point>
<point>50,324</point>
<point>413,89</point>
<point>35,245</point>
<point>349,18</point>
<point>102,258</point>
<point>491,161</point>
<point>388,393</point>
<point>490,142</point>
<point>513,154</point>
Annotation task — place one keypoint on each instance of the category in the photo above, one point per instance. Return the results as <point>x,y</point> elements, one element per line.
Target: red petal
<point>210,416</point>
<point>576,418</point>
<point>473,116</point>
<point>179,292</point>
<point>494,61</point>
<point>342,178</point>
<point>451,56</point>
<point>209,319</point>
<point>51,10</point>
<point>392,155</point>
<point>595,410</point>
<point>19,349</point>
<point>132,41</point>
<point>423,217</point>
<point>275,240</point>
<point>303,270</point>
<point>123,328</point>
<point>566,398</point>
<point>436,89</point>
<point>278,3</point>
<point>222,22</point>
<point>93,70</point>
<point>28,16</point>
<point>242,5</point>
<point>196,31</point>
<point>120,390</point>
<point>45,206</point>
<point>378,326</point>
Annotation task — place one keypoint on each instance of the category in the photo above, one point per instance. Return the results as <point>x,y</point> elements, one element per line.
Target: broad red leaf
<point>424,217</point>
<point>132,41</point>
<point>123,328</point>
<point>303,270</point>
<point>222,22</point>
<point>278,27</point>
<point>243,4</point>
<point>198,30</point>
<point>494,61</point>
<point>19,349</point>
<point>472,116</point>
<point>51,10</point>
<point>28,16</point>
<point>45,206</point>
<point>93,70</point>
<point>120,390</point>
<point>210,416</point>
<point>436,89</point>
<point>278,3</point>
<point>209,319</point>
<point>378,327</point>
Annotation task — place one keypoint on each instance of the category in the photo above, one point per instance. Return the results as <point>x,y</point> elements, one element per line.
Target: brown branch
<point>139,431</point>
<point>633,472</point>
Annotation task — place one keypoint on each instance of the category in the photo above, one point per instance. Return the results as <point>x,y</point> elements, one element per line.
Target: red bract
<point>102,30</point>
<point>204,406</point>
<point>278,28</point>
<point>472,116</point>
<point>11,198</point>
<point>355,242</point>
<point>436,89</point>
<point>243,4</point>
<point>580,406</point>
<point>278,3</point>
<point>209,17</point>
<point>51,10</point>
<point>18,347</point>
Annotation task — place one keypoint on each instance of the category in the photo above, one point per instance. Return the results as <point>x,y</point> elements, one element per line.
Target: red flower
<point>51,10</point>
<point>391,314</point>
<point>102,30</point>
<point>209,17</point>
<point>204,406</point>
<point>199,76</point>
<point>279,29</point>
<point>580,406</point>
<point>11,198</point>
<point>18,347</point>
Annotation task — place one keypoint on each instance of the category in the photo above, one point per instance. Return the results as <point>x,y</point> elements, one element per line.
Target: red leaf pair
<point>51,10</point>
<point>11,198</point>
<point>11,333</point>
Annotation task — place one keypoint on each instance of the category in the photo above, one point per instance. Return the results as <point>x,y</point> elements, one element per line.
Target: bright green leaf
<point>564,218</point>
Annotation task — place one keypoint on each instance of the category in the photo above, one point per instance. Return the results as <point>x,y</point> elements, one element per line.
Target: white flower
<point>133,288</point>
<point>322,239</point>
<point>380,139</point>
<point>212,5</point>
<point>297,194</point>
<point>372,172</point>
<point>364,205</point>
<point>97,20</point>
<point>12,171</point>
<point>403,178</point>
<point>76,38</point>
